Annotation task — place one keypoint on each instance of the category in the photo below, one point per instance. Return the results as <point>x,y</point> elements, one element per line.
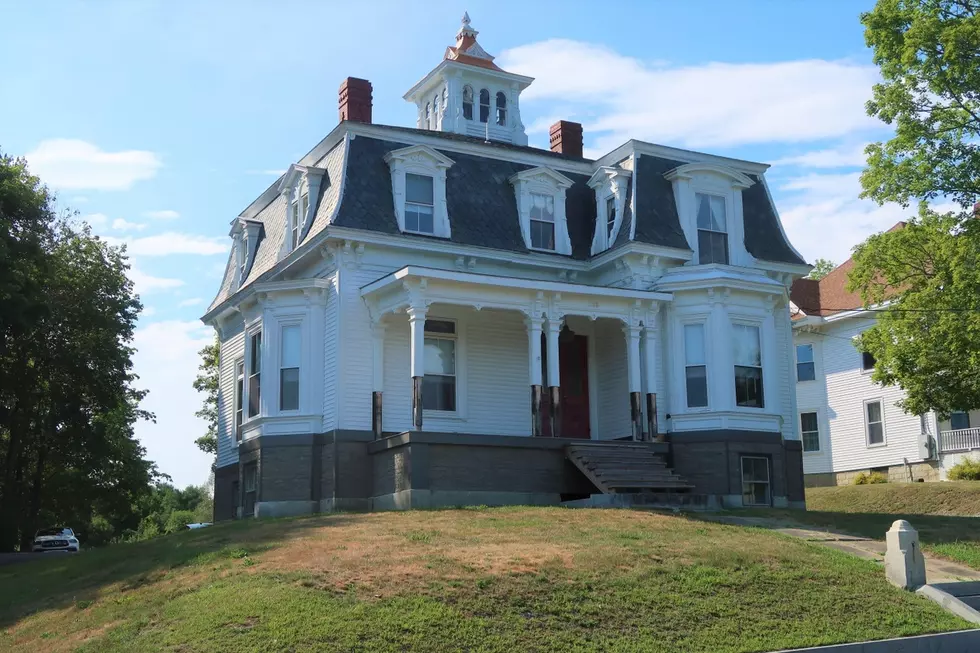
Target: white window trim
<point>867,430</point>
<point>741,469</point>
<point>425,161</point>
<point>817,412</point>
<point>238,397</point>
<point>282,324</point>
<point>608,182</point>
<point>729,212</point>
<point>759,324</point>
<point>250,331</point>
<point>297,181</point>
<point>543,181</point>
<point>703,321</point>
<point>796,357</point>
<point>459,337</point>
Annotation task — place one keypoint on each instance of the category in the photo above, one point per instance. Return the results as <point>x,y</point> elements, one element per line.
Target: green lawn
<point>507,579</point>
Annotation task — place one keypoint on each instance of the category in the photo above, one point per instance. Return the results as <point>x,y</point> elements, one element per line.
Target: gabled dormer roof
<point>419,152</point>
<point>531,174</point>
<point>607,173</point>
<point>688,171</point>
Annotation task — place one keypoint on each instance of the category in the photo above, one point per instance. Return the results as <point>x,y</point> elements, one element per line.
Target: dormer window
<point>501,109</point>
<point>610,216</point>
<point>298,211</point>
<point>484,105</point>
<point>242,256</point>
<point>542,221</point>
<point>609,184</point>
<point>468,102</point>
<point>418,204</point>
<point>712,225</point>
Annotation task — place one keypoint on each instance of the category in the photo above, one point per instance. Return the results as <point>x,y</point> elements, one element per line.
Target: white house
<point>443,315</point>
<point>848,423</point>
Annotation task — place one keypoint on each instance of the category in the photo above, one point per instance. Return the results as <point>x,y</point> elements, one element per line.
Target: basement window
<point>755,481</point>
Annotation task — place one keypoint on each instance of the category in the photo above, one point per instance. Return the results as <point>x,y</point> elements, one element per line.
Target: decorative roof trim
<point>688,170</point>
<point>441,160</point>
<point>606,174</point>
<point>529,175</point>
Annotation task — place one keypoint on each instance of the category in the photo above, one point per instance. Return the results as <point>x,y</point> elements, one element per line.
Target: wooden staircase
<point>618,467</point>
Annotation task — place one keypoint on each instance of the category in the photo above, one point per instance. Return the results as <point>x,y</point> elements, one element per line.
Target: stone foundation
<point>927,471</point>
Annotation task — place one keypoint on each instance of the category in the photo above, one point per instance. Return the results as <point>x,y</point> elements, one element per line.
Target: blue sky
<point>161,121</point>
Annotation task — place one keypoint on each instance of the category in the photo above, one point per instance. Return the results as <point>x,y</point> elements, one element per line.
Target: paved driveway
<point>14,558</point>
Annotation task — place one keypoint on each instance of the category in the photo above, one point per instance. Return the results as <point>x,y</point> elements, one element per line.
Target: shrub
<point>967,469</point>
<point>865,478</point>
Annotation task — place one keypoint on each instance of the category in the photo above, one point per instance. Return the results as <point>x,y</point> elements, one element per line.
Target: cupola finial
<point>465,29</point>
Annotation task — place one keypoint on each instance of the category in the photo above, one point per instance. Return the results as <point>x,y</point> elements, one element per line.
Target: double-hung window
<point>610,218</point>
<point>419,204</point>
<point>874,423</point>
<point>804,363</point>
<point>695,369</point>
<point>243,259</point>
<point>959,420</point>
<point>867,361</point>
<point>748,366</point>
<point>712,229</point>
<point>299,209</point>
<point>439,382</point>
<point>542,221</point>
<point>810,431</point>
<point>254,374</point>
<point>755,481</point>
<point>239,398</point>
<point>289,356</point>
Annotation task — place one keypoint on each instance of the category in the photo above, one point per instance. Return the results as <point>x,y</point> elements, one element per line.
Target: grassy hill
<point>961,498</point>
<point>508,579</point>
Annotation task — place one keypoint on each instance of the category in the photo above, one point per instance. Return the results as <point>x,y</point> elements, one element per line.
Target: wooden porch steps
<point>619,467</point>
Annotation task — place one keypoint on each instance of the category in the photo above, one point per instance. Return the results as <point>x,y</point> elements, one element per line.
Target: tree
<point>207,382</point>
<point>922,279</point>
<point>929,55</point>
<point>821,268</point>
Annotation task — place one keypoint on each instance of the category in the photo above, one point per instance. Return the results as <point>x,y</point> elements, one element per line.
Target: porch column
<point>632,333</point>
<point>554,390</point>
<point>650,372</point>
<point>534,324</point>
<point>378,344</point>
<point>416,321</point>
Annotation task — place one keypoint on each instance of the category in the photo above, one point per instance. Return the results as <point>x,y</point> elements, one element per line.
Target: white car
<point>55,539</point>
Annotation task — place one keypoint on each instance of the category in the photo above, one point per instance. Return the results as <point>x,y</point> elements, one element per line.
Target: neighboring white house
<point>848,423</point>
<point>406,307</point>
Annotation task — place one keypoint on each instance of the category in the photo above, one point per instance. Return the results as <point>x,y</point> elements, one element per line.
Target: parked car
<point>57,538</point>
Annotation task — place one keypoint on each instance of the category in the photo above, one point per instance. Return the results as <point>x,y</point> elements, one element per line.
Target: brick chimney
<point>355,100</point>
<point>566,137</point>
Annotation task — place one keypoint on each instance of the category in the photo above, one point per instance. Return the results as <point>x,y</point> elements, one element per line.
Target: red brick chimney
<point>355,100</point>
<point>566,137</point>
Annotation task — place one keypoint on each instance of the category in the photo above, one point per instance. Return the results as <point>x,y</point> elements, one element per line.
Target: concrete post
<point>904,564</point>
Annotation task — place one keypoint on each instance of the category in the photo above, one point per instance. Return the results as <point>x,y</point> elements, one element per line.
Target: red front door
<point>573,368</point>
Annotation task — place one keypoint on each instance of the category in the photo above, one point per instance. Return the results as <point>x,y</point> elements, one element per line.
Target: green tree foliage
<point>929,55</point>
<point>68,400</point>
<point>967,469</point>
<point>166,510</point>
<point>821,268</point>
<point>924,278</point>
<point>207,383</point>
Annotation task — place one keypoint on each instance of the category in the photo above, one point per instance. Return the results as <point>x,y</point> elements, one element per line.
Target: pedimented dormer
<point>709,205</point>
<point>610,185</point>
<point>418,186</point>
<point>245,234</point>
<point>541,207</point>
<point>300,187</point>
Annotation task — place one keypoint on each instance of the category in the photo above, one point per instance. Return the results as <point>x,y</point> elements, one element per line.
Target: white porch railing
<point>959,440</point>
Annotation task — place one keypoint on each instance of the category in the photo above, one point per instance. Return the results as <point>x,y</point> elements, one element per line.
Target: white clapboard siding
<point>611,376</point>
<point>331,345</point>
<point>231,350</point>
<point>811,397</point>
<point>355,348</point>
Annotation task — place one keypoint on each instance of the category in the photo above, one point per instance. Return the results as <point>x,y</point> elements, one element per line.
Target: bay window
<point>289,357</point>
<point>239,398</point>
<point>712,223</point>
<point>419,204</point>
<point>439,382</point>
<point>695,369</point>
<point>542,221</point>
<point>254,374</point>
<point>748,366</point>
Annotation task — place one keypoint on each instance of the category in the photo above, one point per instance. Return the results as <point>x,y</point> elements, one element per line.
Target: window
<point>959,420</point>
<point>439,383</point>
<point>501,109</point>
<point>695,369</point>
<point>810,431</point>
<point>299,210</point>
<point>484,105</point>
<point>610,217</point>
<point>254,374</point>
<point>755,481</point>
<point>874,423</point>
<point>418,204</point>
<point>804,363</point>
<point>468,102</point>
<point>748,366</point>
<point>427,123</point>
<point>289,368</point>
<point>542,221</point>
<point>435,112</point>
<point>251,474</point>
<point>239,398</point>
<point>243,258</point>
<point>867,361</point>
<point>712,229</point>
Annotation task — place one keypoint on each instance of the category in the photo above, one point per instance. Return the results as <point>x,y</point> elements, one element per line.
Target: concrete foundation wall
<point>225,499</point>
<point>927,471</point>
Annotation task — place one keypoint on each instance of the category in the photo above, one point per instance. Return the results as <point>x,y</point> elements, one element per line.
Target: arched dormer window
<point>540,194</point>
<point>484,105</point>
<point>609,184</point>
<point>501,109</point>
<point>435,112</point>
<point>468,102</point>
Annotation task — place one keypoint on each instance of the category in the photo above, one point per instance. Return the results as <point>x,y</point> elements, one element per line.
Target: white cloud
<point>148,311</point>
<point>173,242</point>
<point>162,215</point>
<point>166,361</point>
<point>96,219</point>
<point>712,104</point>
<point>75,164</point>
<point>193,301</point>
<point>122,225</point>
<point>844,156</point>
<point>146,283</point>
<point>79,199</point>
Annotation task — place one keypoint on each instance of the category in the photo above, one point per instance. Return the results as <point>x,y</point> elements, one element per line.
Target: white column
<point>534,329</point>
<point>633,357</point>
<point>416,322</point>
<point>554,328</point>
<point>650,356</point>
